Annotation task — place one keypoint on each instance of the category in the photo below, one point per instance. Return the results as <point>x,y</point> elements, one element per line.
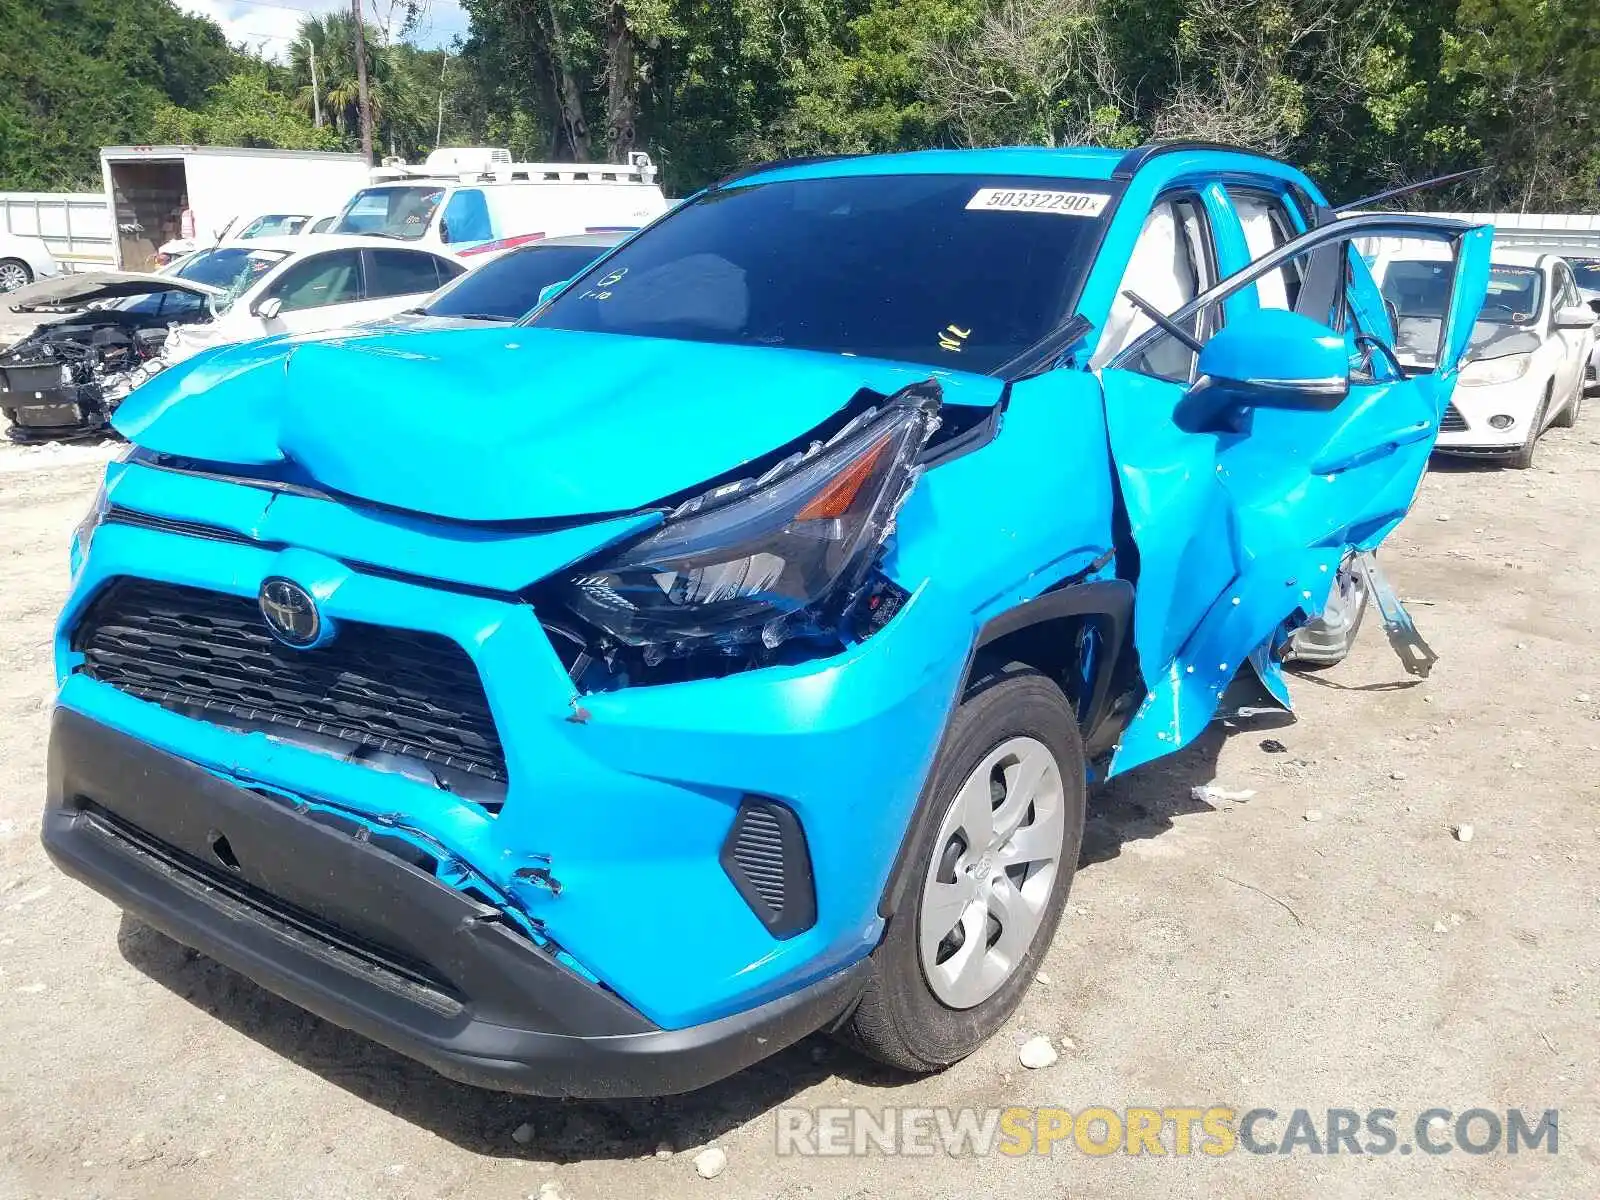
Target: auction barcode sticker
<point>1063,204</point>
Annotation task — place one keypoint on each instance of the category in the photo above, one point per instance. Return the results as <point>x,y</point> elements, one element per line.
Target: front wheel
<point>990,863</point>
<point>14,273</point>
<point>1523,458</point>
<point>1568,417</point>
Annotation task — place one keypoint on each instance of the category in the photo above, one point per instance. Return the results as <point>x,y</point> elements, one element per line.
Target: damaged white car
<point>1525,366</point>
<point>67,377</point>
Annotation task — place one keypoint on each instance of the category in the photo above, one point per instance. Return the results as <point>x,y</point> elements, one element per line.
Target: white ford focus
<point>1525,371</point>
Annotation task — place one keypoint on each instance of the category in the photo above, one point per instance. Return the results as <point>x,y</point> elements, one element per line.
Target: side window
<point>466,218</point>
<point>1395,332</point>
<point>1170,265</point>
<point>1267,226</point>
<point>449,268</point>
<point>1566,289</point>
<point>400,273</point>
<point>332,278</point>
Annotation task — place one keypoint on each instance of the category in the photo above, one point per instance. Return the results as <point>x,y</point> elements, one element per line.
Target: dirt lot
<point>1325,943</point>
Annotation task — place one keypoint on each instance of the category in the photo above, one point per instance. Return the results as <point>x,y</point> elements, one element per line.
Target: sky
<point>268,26</point>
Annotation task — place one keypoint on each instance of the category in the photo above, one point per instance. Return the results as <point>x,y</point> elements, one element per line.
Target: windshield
<point>1420,290</point>
<point>235,269</point>
<point>509,286</point>
<point>272,226</point>
<point>398,212</point>
<point>1587,272</point>
<point>961,271</point>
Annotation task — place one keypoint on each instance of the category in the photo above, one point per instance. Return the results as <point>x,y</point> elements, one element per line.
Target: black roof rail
<point>1139,155</point>
<point>804,160</point>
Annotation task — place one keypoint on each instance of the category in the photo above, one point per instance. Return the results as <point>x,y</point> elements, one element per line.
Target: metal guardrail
<point>76,226</point>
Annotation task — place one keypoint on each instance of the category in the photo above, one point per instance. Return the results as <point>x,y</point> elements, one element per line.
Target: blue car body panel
<point>351,412</point>
<point>363,467</point>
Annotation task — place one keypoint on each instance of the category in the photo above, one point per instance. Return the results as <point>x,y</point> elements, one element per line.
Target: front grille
<point>1453,421</point>
<point>372,690</point>
<point>116,514</point>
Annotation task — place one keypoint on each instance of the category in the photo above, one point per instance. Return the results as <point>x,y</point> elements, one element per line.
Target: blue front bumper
<point>629,805</point>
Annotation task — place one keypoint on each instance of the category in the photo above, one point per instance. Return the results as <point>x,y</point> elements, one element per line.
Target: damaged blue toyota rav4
<point>596,705</point>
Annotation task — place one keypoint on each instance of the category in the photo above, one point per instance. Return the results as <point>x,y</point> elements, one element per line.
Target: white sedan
<point>67,378</point>
<point>304,285</point>
<point>1525,370</point>
<point>22,260</point>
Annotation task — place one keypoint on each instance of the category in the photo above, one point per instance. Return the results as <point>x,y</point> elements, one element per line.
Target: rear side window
<point>401,273</point>
<point>322,279</point>
<point>466,218</point>
<point>509,286</point>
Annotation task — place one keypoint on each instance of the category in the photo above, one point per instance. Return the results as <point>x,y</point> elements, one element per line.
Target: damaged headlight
<point>760,559</point>
<point>1484,371</point>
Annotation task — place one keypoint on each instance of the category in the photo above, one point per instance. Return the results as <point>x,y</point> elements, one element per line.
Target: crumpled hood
<point>504,424</point>
<point>86,287</point>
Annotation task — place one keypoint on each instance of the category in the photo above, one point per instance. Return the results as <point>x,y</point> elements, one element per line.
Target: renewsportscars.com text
<point>1178,1130</point>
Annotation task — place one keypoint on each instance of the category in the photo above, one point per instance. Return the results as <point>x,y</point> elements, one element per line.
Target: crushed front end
<point>457,785</point>
<point>64,380</point>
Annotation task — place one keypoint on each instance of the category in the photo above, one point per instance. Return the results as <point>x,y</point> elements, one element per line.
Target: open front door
<point>1240,529</point>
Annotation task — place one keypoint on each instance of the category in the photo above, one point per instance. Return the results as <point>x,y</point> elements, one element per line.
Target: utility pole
<point>364,99</point>
<point>438,130</point>
<point>316,93</point>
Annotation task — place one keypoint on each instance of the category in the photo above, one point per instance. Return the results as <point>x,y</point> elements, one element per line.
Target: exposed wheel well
<point>1076,635</point>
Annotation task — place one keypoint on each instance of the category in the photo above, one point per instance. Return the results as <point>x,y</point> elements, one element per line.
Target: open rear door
<point>1239,535</point>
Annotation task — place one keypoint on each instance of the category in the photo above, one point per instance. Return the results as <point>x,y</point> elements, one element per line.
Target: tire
<point>1569,415</point>
<point>14,273</point>
<point>901,1018</point>
<point>1326,640</point>
<point>1522,459</point>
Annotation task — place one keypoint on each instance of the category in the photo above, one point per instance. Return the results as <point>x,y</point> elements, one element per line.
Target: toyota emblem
<point>290,613</point>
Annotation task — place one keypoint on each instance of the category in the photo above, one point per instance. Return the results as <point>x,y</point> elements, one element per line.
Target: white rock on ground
<point>1463,833</point>
<point>1037,1053</point>
<point>710,1162</point>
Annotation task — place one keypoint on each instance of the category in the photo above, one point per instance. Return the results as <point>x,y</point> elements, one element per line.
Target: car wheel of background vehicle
<point>1523,458</point>
<point>991,862</point>
<point>1325,640</point>
<point>14,273</point>
<point>1568,417</point>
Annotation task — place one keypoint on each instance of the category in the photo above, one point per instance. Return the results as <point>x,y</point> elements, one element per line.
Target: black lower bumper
<point>53,413</point>
<point>356,928</point>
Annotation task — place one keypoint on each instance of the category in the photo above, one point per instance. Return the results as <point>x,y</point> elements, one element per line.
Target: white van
<point>507,205</point>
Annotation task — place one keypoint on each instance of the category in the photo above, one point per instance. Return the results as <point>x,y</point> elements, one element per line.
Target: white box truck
<point>147,189</point>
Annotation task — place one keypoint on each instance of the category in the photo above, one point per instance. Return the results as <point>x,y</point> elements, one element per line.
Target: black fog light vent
<point>766,857</point>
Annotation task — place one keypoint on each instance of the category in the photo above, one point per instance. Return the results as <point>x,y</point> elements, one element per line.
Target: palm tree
<point>398,110</point>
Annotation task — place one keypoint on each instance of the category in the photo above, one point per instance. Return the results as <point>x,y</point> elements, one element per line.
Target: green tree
<point>243,110</point>
<point>81,74</point>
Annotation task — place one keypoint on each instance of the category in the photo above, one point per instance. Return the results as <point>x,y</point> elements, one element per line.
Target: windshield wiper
<point>500,317</point>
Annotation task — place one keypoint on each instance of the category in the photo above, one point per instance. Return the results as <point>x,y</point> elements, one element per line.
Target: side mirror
<point>269,308</point>
<point>551,290</point>
<point>1575,316</point>
<point>1595,305</point>
<point>1270,358</point>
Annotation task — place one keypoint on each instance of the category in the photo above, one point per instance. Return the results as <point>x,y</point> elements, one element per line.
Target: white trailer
<point>148,187</point>
<point>74,226</point>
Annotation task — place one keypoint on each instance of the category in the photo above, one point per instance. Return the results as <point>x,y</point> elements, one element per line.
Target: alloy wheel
<point>12,276</point>
<point>992,872</point>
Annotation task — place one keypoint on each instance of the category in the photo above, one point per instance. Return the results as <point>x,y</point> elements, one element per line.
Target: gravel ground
<point>1326,942</point>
